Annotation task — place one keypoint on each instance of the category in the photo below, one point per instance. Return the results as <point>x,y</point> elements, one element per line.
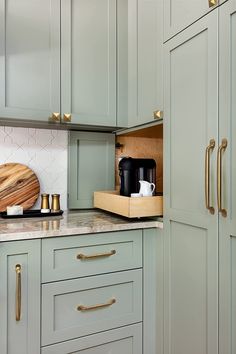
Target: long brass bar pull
<point>97,306</point>
<point>209,149</point>
<point>18,291</point>
<point>82,256</point>
<point>221,149</point>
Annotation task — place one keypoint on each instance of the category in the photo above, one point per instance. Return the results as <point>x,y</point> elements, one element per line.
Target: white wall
<point>44,151</point>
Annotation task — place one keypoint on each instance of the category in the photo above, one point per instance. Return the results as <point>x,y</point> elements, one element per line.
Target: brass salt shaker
<point>45,203</point>
<point>55,206</point>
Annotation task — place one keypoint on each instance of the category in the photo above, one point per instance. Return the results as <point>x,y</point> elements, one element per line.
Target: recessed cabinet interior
<point>91,166</point>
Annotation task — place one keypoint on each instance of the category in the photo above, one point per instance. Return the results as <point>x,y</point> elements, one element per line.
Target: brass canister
<point>55,206</point>
<point>45,201</point>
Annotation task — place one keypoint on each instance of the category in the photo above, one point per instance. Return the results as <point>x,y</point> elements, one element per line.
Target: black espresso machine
<point>133,170</point>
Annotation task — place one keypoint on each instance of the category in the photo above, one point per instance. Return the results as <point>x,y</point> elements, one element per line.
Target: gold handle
<point>158,114</point>
<point>97,306</point>
<point>209,148</point>
<point>221,148</point>
<point>67,117</point>
<point>212,2</point>
<point>56,117</point>
<point>97,255</point>
<point>18,291</point>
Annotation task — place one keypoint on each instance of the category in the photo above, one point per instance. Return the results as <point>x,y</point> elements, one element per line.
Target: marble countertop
<point>70,223</point>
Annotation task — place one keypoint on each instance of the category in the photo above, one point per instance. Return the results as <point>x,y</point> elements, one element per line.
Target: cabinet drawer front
<point>66,258</point>
<point>126,340</point>
<point>63,320</point>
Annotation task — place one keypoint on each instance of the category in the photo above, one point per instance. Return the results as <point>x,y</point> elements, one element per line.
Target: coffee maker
<point>132,170</point>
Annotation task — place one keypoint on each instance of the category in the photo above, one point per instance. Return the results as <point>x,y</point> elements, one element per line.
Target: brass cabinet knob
<point>56,117</point>
<point>67,117</point>
<point>212,2</point>
<point>158,114</point>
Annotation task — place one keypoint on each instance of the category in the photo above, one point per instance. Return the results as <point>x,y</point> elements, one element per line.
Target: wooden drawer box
<point>129,207</point>
<point>81,307</point>
<point>126,340</point>
<point>111,251</point>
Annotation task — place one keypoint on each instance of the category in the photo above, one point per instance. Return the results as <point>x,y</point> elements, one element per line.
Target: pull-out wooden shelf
<point>129,207</point>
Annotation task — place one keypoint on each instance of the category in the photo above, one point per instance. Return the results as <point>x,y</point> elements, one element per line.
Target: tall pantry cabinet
<point>200,174</point>
<point>227,225</point>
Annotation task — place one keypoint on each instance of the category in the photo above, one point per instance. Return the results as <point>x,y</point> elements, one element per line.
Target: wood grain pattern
<point>126,206</point>
<point>19,185</point>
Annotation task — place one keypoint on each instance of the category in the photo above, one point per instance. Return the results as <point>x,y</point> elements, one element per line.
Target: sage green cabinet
<point>20,297</point>
<point>145,59</point>
<point>126,340</point>
<point>153,301</point>
<point>179,14</point>
<point>191,231</point>
<point>30,59</point>
<point>88,61</point>
<point>227,130</point>
<point>91,166</point>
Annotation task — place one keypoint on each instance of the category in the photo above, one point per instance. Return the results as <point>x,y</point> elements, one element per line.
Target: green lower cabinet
<point>91,166</point>
<point>126,340</point>
<point>20,297</point>
<point>153,291</point>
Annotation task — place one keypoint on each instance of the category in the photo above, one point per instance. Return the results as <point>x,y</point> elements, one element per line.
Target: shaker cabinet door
<point>145,53</point>
<point>20,297</point>
<point>88,61</point>
<point>91,166</point>
<point>227,223</point>
<point>179,14</point>
<point>191,230</point>
<point>29,59</point>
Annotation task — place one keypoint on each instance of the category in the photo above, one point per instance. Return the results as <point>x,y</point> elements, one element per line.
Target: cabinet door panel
<point>227,129</point>
<point>178,14</point>
<point>145,60</point>
<point>91,167</point>
<point>190,241</point>
<point>61,319</point>
<point>23,336</point>
<point>126,340</point>
<point>89,61</point>
<point>30,59</point>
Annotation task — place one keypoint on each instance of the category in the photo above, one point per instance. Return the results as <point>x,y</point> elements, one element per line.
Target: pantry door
<point>191,230</point>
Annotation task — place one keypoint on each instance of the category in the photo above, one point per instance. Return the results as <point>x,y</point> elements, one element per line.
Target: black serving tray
<point>31,214</point>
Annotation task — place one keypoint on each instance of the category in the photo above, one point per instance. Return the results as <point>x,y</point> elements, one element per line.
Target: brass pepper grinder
<point>45,203</point>
<point>55,206</point>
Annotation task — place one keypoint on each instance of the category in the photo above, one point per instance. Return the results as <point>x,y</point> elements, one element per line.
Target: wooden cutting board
<point>19,185</point>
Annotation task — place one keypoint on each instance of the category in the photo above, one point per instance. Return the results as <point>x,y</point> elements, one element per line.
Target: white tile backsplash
<point>44,151</point>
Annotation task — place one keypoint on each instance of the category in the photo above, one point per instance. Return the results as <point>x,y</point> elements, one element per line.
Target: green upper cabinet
<point>29,59</point>
<point>145,52</point>
<point>88,61</point>
<point>179,14</point>
<point>91,166</point>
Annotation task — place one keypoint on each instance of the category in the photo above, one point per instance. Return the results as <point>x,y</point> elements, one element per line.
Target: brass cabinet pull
<point>209,148</point>
<point>212,2</point>
<point>158,114</point>
<point>97,306</point>
<point>56,117</point>
<point>82,256</point>
<point>221,148</point>
<point>18,291</point>
<point>67,117</point>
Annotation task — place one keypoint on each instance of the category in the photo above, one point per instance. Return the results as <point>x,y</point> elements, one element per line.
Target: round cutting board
<point>19,185</point>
